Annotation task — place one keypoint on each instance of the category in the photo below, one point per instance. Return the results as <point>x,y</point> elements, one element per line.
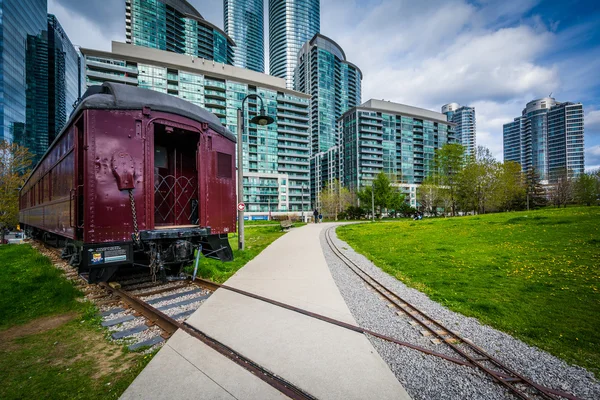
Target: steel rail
<point>332,321</point>
<point>506,377</point>
<point>170,325</point>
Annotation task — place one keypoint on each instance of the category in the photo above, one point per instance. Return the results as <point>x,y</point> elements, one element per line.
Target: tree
<point>335,199</point>
<point>562,190</point>
<point>382,194</point>
<point>397,203</point>
<point>511,189</point>
<point>585,188</point>
<point>449,161</point>
<point>15,161</point>
<point>536,196</point>
<point>478,181</point>
<point>429,196</point>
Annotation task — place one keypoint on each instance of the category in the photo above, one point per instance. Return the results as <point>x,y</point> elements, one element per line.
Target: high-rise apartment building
<point>275,157</point>
<point>335,86</point>
<point>291,24</point>
<point>244,23</point>
<point>548,138</point>
<point>399,140</point>
<point>39,75</point>
<point>176,26</point>
<point>466,132</point>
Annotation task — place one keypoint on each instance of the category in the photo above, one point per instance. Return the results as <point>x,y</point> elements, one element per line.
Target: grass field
<point>257,238</point>
<point>535,275</point>
<point>51,343</point>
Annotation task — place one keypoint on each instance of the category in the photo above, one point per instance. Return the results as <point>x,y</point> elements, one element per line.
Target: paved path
<point>327,361</point>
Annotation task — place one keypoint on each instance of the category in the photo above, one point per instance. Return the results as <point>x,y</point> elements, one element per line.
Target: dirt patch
<point>36,326</point>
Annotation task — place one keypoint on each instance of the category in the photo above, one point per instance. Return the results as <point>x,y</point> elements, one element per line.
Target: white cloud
<point>593,151</point>
<point>430,53</point>
<point>592,120</point>
<point>83,32</point>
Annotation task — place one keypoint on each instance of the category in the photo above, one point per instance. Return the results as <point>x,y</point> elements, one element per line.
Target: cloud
<point>592,158</point>
<point>592,121</point>
<point>86,29</point>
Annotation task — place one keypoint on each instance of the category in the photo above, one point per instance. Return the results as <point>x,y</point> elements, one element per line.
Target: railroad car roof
<point>125,97</point>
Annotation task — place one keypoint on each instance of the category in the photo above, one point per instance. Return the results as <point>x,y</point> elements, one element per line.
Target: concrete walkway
<point>327,361</point>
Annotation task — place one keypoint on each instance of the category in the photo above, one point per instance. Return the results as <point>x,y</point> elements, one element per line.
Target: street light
<point>303,186</point>
<point>261,119</point>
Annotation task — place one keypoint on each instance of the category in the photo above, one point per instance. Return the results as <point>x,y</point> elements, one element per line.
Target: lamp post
<point>303,186</point>
<point>261,119</point>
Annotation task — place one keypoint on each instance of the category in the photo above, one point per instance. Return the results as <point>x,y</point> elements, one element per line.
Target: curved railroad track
<point>467,352</point>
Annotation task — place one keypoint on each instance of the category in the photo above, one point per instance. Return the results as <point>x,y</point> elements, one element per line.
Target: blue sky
<point>493,55</point>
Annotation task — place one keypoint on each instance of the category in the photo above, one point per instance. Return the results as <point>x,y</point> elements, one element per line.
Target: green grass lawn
<point>535,275</point>
<point>257,238</point>
<point>31,287</point>
<point>51,343</point>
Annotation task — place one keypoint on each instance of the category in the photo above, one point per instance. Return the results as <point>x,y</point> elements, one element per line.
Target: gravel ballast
<point>429,377</point>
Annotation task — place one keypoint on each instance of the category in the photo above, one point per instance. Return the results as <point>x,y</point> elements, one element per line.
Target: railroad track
<point>170,324</point>
<point>467,353</point>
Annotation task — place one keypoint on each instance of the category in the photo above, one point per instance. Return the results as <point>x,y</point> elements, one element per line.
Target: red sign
<point>241,206</point>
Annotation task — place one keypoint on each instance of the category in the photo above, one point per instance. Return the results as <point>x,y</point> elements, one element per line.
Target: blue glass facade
<point>291,24</point>
<point>548,137</point>
<point>244,23</point>
<point>335,86</point>
<point>64,77</point>
<point>380,136</point>
<point>176,26</point>
<point>464,118</point>
<point>22,63</point>
<point>275,157</point>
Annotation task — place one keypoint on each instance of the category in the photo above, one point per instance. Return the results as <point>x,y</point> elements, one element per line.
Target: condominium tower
<point>275,157</point>
<point>291,24</point>
<point>548,138</point>
<point>335,86</point>
<point>244,23</point>
<point>464,118</point>
<point>176,26</point>
<point>399,140</point>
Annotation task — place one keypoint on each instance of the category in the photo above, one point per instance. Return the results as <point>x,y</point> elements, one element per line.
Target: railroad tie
<point>183,303</point>
<point>129,332</point>
<point>150,342</point>
<point>117,321</point>
<point>112,311</point>
<point>172,296</point>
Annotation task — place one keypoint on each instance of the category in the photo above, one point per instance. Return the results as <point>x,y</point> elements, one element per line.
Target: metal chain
<point>153,268</point>
<point>136,232</point>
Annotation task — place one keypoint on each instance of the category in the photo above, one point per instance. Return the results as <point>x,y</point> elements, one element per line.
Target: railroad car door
<point>175,177</point>
<point>216,170</point>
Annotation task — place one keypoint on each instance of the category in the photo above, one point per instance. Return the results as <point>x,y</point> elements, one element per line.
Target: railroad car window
<point>224,165</point>
<point>160,157</point>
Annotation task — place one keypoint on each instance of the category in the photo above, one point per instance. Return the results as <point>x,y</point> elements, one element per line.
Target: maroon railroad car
<point>135,177</point>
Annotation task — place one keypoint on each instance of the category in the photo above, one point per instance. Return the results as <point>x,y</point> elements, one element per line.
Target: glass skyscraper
<point>464,118</point>
<point>244,23</point>
<point>275,157</point>
<point>291,24</point>
<point>335,86</point>
<point>176,26</point>
<point>548,138</point>
<point>23,27</point>
<point>399,140</point>
<point>64,77</point>
<point>39,75</point>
